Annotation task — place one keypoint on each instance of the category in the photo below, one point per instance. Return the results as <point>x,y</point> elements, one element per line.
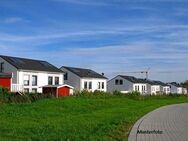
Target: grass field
<point>94,118</point>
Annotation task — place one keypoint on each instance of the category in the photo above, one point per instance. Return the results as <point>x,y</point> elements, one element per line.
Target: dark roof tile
<point>30,64</point>
<point>81,72</point>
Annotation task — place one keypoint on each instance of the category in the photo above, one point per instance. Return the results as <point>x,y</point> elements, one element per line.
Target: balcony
<point>17,88</point>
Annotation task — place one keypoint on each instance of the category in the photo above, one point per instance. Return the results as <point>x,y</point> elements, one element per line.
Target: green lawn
<point>76,118</point>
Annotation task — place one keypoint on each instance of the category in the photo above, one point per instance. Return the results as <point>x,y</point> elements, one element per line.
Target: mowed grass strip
<point>94,118</point>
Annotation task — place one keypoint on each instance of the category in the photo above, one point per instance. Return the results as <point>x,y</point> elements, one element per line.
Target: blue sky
<point>110,36</point>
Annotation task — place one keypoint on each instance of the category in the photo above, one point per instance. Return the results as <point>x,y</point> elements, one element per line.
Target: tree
<point>185,84</point>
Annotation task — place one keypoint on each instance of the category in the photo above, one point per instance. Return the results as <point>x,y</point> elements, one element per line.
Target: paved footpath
<point>168,123</point>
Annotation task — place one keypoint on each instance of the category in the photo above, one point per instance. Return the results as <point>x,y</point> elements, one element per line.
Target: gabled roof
<point>154,82</point>
<point>30,64</point>
<point>133,79</point>
<point>84,73</point>
<point>175,84</point>
<point>3,75</point>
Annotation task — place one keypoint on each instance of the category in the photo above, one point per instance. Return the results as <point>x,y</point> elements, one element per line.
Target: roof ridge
<point>22,58</point>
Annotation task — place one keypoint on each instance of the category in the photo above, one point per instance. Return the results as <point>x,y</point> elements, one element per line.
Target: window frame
<point>116,81</point>
<point>26,90</point>
<point>120,82</point>
<point>34,89</point>
<point>2,67</point>
<point>90,85</point>
<point>85,84</point>
<point>66,76</point>
<point>102,85</point>
<point>56,80</point>
<point>36,82</point>
<point>50,77</point>
<point>28,81</point>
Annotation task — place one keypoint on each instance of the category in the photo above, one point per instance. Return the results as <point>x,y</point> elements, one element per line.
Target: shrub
<point>117,93</point>
<point>7,97</point>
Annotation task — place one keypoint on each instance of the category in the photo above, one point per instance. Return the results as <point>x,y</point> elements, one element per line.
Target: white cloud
<point>12,20</point>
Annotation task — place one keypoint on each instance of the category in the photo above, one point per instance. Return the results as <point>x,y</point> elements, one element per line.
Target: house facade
<point>158,87</point>
<point>184,90</point>
<point>176,88</point>
<point>166,89</point>
<point>127,84</point>
<point>30,75</point>
<point>84,79</point>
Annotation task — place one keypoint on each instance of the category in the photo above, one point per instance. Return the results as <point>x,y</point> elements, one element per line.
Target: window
<point>26,80</point>
<point>34,90</point>
<point>102,85</point>
<point>34,80</point>
<point>26,90</point>
<point>99,85</point>
<point>56,80</point>
<point>90,85</point>
<point>135,88</point>
<point>116,81</point>
<point>2,67</point>
<point>85,85</point>
<point>50,80</point>
<point>138,88</point>
<point>121,82</point>
<point>66,76</point>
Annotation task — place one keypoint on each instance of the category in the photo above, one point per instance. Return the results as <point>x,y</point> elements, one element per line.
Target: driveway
<point>168,123</point>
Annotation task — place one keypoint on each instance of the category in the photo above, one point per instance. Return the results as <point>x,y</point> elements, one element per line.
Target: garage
<point>5,80</point>
<point>58,90</point>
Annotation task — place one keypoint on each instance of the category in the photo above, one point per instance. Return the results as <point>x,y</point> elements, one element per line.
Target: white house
<point>176,88</point>
<point>158,87</point>
<point>184,90</point>
<point>166,89</point>
<point>127,84</point>
<point>84,79</point>
<point>30,75</point>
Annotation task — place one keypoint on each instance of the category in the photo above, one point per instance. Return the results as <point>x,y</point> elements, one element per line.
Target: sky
<point>109,36</point>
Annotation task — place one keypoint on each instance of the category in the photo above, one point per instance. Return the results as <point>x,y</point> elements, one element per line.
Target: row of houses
<point>127,84</point>
<point>38,76</point>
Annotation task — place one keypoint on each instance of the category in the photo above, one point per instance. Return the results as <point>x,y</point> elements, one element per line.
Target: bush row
<point>8,97</point>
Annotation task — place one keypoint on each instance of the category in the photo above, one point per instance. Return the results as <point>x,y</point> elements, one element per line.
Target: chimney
<point>102,74</point>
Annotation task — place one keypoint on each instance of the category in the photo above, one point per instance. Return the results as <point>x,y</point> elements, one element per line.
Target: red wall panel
<point>5,82</point>
<point>63,91</point>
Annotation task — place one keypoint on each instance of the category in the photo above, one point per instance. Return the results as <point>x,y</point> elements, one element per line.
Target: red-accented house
<point>58,90</point>
<point>5,80</point>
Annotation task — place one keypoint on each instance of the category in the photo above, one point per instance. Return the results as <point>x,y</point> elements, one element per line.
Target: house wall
<point>166,89</point>
<point>156,89</point>
<point>184,90</point>
<point>141,87</point>
<point>173,89</point>
<point>73,79</point>
<point>42,79</point>
<point>180,90</point>
<point>127,86</point>
<point>8,68</point>
<point>94,83</point>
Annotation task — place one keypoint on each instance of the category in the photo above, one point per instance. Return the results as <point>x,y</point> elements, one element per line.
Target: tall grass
<point>9,97</point>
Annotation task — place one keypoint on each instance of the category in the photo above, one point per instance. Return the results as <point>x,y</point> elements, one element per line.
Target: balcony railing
<point>17,88</point>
